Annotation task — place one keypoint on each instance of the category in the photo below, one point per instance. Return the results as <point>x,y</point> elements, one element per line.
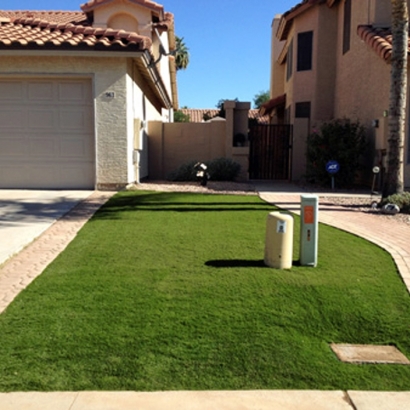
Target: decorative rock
<point>390,209</point>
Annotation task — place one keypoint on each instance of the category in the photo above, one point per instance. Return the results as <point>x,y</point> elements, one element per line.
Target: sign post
<point>332,167</point>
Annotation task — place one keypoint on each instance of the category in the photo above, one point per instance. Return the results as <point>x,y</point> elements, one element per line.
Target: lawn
<point>168,291</point>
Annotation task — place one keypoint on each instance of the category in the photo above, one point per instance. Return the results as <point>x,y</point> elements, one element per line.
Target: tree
<point>182,54</point>
<point>179,116</point>
<point>394,181</point>
<point>260,98</point>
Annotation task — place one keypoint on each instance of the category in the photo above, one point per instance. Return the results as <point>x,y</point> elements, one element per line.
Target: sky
<point>228,42</point>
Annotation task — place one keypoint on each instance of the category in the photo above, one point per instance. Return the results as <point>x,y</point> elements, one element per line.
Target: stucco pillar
<point>300,133</point>
<point>229,107</point>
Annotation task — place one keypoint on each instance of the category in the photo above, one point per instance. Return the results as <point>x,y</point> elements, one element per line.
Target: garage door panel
<point>40,91</point>
<point>13,118</point>
<point>42,119</point>
<point>74,119</point>
<point>11,90</point>
<point>47,141</point>
<point>74,148</point>
<point>74,92</point>
<point>70,174</point>
<point>13,147</point>
<point>44,149</point>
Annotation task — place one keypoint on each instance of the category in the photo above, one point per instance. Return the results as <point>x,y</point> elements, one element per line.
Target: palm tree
<point>394,181</point>
<point>182,54</point>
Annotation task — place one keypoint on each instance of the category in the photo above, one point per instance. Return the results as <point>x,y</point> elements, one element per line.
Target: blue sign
<point>332,167</point>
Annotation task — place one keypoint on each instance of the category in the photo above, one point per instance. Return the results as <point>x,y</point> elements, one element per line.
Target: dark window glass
<point>289,61</point>
<point>347,19</point>
<point>302,109</point>
<point>305,48</point>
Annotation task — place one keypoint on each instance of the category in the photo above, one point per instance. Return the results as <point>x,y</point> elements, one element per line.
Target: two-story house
<point>331,59</point>
<point>77,90</point>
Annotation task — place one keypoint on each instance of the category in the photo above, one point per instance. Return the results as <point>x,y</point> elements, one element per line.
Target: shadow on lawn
<point>169,202</point>
<point>236,263</point>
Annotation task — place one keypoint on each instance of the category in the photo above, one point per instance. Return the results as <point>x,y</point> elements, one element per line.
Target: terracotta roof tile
<point>273,103</point>
<point>64,17</point>
<point>377,38</point>
<point>197,114</point>
<point>68,29</point>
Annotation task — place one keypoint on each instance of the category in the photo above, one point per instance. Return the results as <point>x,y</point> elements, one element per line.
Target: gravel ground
<point>359,203</point>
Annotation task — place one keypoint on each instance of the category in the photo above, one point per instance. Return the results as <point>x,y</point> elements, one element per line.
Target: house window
<point>289,61</point>
<point>347,19</point>
<point>302,109</point>
<point>305,48</point>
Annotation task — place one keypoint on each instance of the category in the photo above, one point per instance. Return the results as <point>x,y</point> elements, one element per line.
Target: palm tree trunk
<point>394,181</point>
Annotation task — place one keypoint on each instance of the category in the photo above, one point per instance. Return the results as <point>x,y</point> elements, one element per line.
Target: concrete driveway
<point>26,214</point>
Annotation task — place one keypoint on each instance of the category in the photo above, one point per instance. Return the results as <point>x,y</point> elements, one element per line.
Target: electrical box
<point>309,229</point>
<point>279,241</point>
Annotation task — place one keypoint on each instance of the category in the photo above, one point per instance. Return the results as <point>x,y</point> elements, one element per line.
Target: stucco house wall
<point>354,85</point>
<point>114,116</point>
<point>110,51</point>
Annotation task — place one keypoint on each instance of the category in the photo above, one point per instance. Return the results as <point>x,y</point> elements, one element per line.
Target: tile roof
<point>273,103</point>
<point>287,18</point>
<point>378,39</point>
<point>63,17</point>
<point>51,29</point>
<point>197,114</point>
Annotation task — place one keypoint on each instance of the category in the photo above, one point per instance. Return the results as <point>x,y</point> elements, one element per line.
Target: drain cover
<point>369,354</point>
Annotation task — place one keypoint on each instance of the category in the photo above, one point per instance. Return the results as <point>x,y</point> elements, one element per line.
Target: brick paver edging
<point>19,271</point>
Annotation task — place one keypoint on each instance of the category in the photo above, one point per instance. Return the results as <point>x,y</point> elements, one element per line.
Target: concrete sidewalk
<point>207,400</point>
<point>26,214</point>
<point>18,272</point>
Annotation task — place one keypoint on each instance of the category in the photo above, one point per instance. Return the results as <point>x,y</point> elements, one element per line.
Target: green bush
<point>179,116</point>
<point>338,140</point>
<point>401,200</point>
<point>223,169</point>
<point>185,172</point>
<point>220,169</point>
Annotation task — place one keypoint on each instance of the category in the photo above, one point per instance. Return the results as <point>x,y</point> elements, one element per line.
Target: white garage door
<point>46,134</point>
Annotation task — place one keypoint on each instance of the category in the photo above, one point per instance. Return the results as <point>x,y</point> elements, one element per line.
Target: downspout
<point>136,154</point>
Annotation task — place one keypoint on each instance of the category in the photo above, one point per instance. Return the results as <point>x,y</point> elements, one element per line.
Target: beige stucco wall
<point>354,85</point>
<point>114,117</point>
<point>315,85</point>
<point>102,15</point>
<point>277,70</point>
<point>363,83</point>
<point>174,144</point>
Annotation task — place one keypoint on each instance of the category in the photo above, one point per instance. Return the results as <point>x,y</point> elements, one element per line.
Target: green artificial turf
<point>168,291</point>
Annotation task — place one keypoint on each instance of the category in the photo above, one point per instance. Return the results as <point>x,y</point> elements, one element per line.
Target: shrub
<point>185,172</point>
<point>401,200</point>
<point>339,140</point>
<point>223,169</point>
<point>220,169</point>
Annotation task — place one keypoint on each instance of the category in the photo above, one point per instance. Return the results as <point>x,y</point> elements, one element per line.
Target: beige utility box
<point>279,241</point>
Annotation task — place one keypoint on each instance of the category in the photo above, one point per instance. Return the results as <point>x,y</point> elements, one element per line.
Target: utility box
<point>279,241</point>
<point>309,229</point>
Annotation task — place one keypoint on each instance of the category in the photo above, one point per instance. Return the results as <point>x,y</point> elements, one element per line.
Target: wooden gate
<point>270,152</point>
